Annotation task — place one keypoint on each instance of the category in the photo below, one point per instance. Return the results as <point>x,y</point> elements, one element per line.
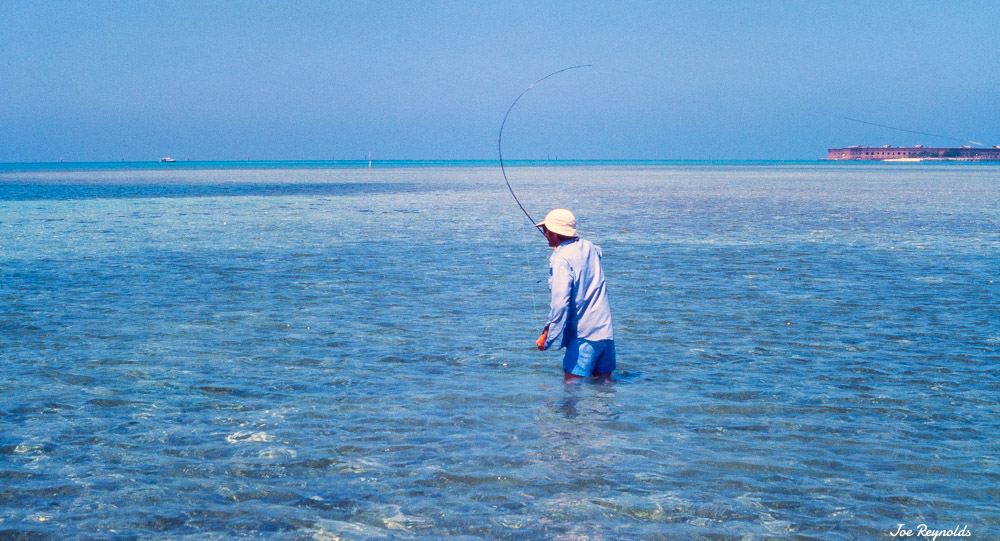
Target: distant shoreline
<point>404,164</point>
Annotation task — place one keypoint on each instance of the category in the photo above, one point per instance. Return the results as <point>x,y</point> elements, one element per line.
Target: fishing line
<point>500,138</point>
<point>912,131</point>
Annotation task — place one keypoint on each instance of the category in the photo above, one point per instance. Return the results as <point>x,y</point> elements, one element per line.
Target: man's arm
<point>562,287</point>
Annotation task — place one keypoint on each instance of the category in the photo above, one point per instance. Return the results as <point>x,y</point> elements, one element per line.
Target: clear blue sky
<point>202,80</point>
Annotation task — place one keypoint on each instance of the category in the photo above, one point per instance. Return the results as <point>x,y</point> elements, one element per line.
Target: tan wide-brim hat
<point>560,221</point>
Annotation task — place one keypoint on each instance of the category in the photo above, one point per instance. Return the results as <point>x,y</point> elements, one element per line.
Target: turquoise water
<point>289,351</point>
<point>354,164</point>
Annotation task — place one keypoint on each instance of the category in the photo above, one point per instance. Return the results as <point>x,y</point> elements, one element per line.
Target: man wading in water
<point>580,315</point>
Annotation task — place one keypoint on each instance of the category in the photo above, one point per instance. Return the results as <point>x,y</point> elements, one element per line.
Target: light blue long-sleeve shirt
<point>580,307</point>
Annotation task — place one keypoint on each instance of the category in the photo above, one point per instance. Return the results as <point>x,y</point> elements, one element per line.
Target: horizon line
<point>400,160</point>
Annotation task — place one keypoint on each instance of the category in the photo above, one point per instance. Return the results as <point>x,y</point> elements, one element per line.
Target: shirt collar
<point>567,242</point>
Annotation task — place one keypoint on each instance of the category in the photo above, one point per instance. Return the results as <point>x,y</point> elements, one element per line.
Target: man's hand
<point>541,339</point>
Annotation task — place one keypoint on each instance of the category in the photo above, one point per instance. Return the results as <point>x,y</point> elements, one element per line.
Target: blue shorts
<point>586,358</point>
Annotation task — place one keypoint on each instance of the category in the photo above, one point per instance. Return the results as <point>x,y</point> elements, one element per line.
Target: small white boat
<point>168,159</point>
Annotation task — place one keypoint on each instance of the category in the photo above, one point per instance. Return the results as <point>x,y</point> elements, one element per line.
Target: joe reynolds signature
<point>923,531</point>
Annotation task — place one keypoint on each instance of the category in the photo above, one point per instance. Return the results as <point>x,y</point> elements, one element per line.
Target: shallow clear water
<point>805,351</point>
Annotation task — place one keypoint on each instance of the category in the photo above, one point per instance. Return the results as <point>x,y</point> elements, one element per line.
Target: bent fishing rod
<point>500,139</point>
